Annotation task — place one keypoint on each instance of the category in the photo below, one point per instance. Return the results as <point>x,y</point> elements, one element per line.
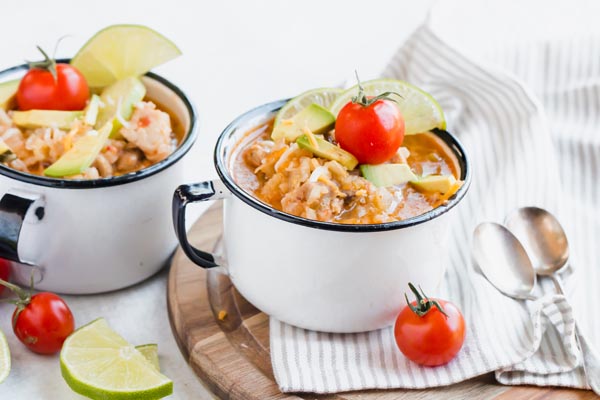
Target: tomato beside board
<point>43,323</point>
<point>40,321</point>
<point>51,86</point>
<point>429,332</point>
<point>372,129</point>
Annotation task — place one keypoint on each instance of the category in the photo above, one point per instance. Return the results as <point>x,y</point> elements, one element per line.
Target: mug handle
<point>185,194</point>
<point>16,208</point>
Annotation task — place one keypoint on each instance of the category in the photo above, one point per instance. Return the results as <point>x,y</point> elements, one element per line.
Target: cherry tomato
<point>43,323</point>
<point>40,90</point>
<point>371,130</point>
<point>4,272</point>
<point>429,332</point>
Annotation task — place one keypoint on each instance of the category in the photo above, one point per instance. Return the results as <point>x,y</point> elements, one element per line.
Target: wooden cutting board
<point>231,354</point>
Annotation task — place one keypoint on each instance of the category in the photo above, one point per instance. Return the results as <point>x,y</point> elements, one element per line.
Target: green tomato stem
<point>424,303</point>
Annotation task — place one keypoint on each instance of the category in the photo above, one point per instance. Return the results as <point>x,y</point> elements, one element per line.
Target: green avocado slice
<point>79,157</point>
<point>120,97</point>
<point>315,118</point>
<point>384,175</point>
<point>329,151</point>
<point>8,90</point>
<point>435,183</point>
<point>90,114</point>
<point>33,119</point>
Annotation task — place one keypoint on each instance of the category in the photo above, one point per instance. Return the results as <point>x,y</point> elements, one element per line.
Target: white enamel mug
<point>317,275</point>
<point>90,236</point>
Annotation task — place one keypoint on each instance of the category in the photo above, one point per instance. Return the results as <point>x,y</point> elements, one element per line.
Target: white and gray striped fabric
<point>530,121</point>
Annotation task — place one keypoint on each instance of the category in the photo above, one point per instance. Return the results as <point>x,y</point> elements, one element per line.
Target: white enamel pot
<point>90,236</point>
<point>320,276</point>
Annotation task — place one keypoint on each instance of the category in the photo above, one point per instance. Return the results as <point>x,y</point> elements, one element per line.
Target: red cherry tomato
<point>425,335</point>
<point>372,133</point>
<point>44,323</point>
<point>40,90</point>
<point>4,272</point>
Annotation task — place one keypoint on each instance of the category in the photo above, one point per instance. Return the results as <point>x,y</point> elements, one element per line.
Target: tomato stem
<point>362,99</point>
<point>424,303</point>
<point>23,300</point>
<point>49,64</point>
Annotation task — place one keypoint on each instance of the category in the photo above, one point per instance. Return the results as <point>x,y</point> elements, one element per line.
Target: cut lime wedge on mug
<point>420,111</point>
<point>122,51</point>
<point>323,97</point>
<point>4,358</point>
<point>98,363</point>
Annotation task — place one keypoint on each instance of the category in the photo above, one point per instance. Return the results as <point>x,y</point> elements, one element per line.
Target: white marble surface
<point>237,54</point>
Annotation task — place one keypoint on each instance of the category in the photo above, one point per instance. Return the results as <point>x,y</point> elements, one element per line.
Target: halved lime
<point>98,363</point>
<point>150,352</point>
<point>420,111</point>
<point>4,357</point>
<point>122,51</point>
<point>323,97</point>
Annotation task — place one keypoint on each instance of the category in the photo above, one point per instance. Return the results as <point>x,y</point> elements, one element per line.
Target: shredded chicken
<point>150,130</point>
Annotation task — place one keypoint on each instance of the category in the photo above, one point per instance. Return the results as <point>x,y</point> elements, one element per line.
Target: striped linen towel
<point>525,150</point>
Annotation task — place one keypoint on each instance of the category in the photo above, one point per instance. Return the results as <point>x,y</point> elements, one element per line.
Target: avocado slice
<point>384,175</point>
<point>79,157</point>
<point>436,183</point>
<point>120,97</point>
<point>314,117</point>
<point>6,154</point>
<point>329,151</point>
<point>90,114</point>
<point>8,90</point>
<point>44,118</point>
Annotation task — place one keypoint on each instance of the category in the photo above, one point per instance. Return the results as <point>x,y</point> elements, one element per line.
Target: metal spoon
<point>544,240</point>
<point>505,263</point>
<point>503,260</point>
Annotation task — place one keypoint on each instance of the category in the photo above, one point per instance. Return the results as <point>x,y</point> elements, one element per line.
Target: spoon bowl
<point>543,238</point>
<point>503,260</point>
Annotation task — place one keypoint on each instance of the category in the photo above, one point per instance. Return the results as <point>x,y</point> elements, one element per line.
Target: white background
<point>236,55</point>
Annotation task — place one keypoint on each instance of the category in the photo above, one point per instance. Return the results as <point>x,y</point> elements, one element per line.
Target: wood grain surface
<point>231,355</point>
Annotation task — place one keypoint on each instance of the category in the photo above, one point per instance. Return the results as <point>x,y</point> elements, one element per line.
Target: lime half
<point>122,51</point>
<point>98,363</point>
<point>150,352</point>
<point>420,111</point>
<point>323,97</point>
<point>4,358</point>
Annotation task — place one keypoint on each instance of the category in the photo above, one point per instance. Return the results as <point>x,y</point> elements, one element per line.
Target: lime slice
<point>98,363</point>
<point>4,358</point>
<point>420,111</point>
<point>323,97</point>
<point>122,51</point>
<point>150,352</point>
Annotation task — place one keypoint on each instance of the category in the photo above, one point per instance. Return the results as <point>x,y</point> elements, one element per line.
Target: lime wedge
<point>98,363</point>
<point>420,111</point>
<point>4,358</point>
<point>122,51</point>
<point>323,97</point>
<point>150,352</point>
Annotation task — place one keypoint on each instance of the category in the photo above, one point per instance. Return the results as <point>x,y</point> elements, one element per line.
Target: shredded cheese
<point>311,137</point>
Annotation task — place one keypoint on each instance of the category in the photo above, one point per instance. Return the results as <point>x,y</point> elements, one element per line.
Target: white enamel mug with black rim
<point>318,275</point>
<point>90,236</point>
